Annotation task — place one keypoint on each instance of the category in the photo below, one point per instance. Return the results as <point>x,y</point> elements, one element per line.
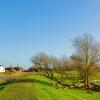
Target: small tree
<point>52,66</point>
<point>41,60</point>
<point>62,66</point>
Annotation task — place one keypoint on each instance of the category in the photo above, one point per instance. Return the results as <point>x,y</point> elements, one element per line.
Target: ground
<point>23,89</point>
<point>36,87</point>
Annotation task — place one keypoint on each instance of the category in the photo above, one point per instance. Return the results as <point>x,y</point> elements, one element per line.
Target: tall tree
<point>88,53</point>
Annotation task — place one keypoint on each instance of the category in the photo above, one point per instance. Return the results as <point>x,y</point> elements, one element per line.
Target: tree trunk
<point>86,82</point>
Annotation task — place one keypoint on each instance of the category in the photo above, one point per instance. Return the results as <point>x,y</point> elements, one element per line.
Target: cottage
<point>18,69</point>
<point>2,69</point>
<point>9,69</point>
<point>14,69</point>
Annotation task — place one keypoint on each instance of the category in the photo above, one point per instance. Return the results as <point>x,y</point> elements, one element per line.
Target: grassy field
<point>37,87</point>
<point>46,91</point>
<point>14,74</point>
<point>23,89</point>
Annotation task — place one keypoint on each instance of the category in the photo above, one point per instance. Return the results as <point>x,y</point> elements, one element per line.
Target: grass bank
<point>22,89</point>
<point>45,90</point>
<point>37,87</point>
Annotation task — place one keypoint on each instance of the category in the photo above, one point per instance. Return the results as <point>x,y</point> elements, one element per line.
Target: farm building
<point>15,69</point>
<point>2,69</point>
<point>18,69</point>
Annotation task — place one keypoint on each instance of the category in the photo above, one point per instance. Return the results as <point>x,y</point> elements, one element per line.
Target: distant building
<point>15,69</point>
<point>9,69</point>
<point>2,69</point>
<point>18,69</point>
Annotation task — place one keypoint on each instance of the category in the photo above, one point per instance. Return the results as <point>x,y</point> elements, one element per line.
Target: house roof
<point>1,67</point>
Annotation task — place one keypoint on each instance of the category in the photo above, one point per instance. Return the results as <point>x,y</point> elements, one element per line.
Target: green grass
<point>23,89</point>
<point>14,74</point>
<point>37,87</point>
<point>95,76</point>
<point>46,91</point>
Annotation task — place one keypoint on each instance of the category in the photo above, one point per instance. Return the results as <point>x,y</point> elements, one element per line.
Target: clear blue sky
<point>31,26</point>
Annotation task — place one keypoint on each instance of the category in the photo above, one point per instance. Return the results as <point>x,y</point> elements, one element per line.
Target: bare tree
<point>88,53</point>
<point>41,60</point>
<point>77,65</point>
<point>62,66</point>
<point>53,65</point>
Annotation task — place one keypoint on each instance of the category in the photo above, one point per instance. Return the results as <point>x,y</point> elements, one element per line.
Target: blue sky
<point>31,26</point>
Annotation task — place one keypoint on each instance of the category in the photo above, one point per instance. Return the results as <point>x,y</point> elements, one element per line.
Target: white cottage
<point>2,69</point>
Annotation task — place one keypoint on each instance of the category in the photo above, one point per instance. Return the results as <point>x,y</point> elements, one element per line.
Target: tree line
<point>77,68</point>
